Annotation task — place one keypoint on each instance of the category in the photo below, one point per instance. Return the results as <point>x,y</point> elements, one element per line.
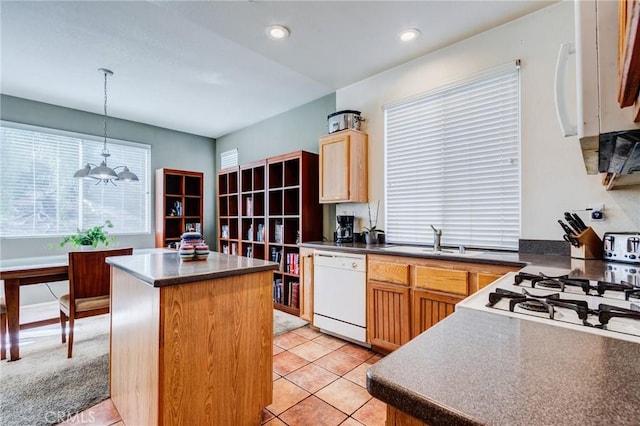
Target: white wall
<point>553,175</point>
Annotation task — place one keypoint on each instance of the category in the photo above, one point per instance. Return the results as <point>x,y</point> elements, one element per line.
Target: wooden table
<point>27,271</point>
<point>34,270</point>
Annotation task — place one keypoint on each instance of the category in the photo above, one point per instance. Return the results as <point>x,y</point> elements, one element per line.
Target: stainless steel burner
<point>549,284</point>
<point>534,305</point>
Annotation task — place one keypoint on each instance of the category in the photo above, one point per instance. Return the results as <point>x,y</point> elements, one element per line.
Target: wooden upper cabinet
<point>629,54</point>
<point>343,167</point>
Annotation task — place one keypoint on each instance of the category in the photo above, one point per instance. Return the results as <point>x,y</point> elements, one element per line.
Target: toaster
<point>622,246</point>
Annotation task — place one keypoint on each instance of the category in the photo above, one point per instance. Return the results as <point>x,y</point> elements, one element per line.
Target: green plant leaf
<point>92,236</point>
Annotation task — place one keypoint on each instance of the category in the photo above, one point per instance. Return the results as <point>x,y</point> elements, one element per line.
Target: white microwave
<point>596,53</point>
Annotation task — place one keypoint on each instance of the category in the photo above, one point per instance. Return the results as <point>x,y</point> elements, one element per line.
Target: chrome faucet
<point>437,235</point>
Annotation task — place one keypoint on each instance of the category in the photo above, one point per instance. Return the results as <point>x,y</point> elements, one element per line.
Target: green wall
<point>294,130</point>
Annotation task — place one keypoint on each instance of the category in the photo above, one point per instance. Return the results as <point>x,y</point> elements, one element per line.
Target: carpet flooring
<point>45,387</point>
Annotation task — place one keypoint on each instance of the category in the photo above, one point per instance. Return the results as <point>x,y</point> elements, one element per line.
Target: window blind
<point>40,196</point>
<point>452,161</point>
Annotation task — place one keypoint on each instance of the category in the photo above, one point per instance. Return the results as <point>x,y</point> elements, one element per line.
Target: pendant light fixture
<point>104,173</point>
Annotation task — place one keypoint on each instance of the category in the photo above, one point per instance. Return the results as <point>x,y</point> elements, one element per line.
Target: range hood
<point>619,158</point>
<point>608,136</point>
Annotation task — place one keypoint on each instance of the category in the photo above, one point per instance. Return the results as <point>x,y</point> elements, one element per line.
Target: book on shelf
<point>176,210</point>
<point>295,294</point>
<point>293,263</point>
<point>276,256</point>
<point>277,237</point>
<point>193,227</point>
<point>278,293</point>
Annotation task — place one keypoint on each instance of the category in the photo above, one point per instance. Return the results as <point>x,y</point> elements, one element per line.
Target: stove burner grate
<point>540,303</point>
<point>548,283</point>
<point>534,305</point>
<point>606,312</point>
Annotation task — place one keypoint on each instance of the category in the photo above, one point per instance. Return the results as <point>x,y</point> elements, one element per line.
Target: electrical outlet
<point>596,213</point>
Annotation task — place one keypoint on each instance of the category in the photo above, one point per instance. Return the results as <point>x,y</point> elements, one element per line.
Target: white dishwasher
<point>340,294</point>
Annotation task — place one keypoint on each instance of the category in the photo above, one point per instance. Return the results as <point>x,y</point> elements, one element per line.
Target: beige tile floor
<point>319,380</point>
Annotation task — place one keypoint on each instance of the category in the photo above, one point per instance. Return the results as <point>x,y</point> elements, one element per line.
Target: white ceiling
<point>207,67</point>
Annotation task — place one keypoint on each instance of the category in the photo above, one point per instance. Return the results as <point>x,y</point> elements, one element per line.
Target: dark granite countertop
<point>164,269</point>
<point>476,367</point>
<point>593,269</point>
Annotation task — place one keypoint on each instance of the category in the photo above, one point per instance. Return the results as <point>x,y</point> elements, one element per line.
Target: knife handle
<point>566,228</point>
<point>579,221</point>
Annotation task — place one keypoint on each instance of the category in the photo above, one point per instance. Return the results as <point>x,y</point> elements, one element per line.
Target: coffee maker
<point>344,232</point>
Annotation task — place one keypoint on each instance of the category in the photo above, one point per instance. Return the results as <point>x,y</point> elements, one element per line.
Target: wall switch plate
<point>596,213</point>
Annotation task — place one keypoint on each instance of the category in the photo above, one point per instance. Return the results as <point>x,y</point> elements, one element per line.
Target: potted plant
<point>89,238</point>
<point>373,235</point>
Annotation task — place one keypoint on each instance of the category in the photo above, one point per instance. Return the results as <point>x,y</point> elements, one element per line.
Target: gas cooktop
<point>609,307</point>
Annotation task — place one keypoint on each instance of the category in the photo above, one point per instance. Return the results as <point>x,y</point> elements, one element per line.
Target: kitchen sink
<point>430,251</point>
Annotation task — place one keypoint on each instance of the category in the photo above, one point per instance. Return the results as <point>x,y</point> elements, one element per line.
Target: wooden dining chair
<point>3,329</point>
<point>89,288</point>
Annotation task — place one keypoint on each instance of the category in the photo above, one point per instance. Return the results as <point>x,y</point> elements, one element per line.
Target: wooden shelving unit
<point>179,204</point>
<point>228,210</point>
<point>273,207</point>
<point>252,201</point>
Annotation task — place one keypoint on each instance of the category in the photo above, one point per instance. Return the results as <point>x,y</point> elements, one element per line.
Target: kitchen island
<point>191,342</point>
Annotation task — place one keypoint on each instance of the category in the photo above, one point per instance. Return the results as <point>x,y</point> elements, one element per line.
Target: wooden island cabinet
<point>191,342</point>
<point>408,295</point>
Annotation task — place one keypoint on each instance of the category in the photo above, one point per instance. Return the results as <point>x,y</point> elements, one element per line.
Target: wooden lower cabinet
<point>406,296</point>
<point>484,279</point>
<point>396,417</point>
<point>429,307</point>
<point>388,314</point>
<point>306,284</point>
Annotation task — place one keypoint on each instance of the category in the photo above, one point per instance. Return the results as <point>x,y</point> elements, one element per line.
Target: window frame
<point>487,74</point>
<point>94,138</point>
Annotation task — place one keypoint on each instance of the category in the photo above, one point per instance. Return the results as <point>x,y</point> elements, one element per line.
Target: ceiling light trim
<point>278,32</point>
<point>409,34</point>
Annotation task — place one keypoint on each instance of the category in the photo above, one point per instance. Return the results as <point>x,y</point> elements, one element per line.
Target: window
<point>41,198</point>
<point>452,161</point>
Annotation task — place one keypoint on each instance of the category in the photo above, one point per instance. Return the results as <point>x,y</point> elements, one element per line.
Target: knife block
<point>590,245</point>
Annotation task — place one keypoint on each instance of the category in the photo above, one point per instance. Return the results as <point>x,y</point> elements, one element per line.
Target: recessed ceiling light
<point>409,34</point>
<point>277,32</point>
